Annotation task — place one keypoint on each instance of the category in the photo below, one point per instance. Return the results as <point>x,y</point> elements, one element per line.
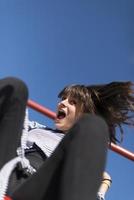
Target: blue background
<point>50,44</point>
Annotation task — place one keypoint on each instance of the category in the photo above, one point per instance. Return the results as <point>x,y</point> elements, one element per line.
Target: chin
<point>60,128</point>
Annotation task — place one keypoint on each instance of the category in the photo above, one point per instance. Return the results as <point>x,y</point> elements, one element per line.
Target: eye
<point>72,102</point>
<point>63,98</point>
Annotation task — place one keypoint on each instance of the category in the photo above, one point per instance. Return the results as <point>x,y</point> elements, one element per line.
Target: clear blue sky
<point>50,44</point>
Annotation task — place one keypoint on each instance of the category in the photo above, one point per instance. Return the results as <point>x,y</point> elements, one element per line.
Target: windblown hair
<point>114,102</point>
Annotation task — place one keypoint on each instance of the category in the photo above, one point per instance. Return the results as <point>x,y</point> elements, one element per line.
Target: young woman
<point>68,162</point>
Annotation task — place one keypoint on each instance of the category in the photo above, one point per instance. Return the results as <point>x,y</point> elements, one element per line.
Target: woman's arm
<point>105,185</point>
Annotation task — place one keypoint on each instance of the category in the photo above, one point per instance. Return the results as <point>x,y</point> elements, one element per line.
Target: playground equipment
<point>45,111</point>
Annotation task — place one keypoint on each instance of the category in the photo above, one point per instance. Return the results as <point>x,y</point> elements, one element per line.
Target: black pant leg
<point>13,99</point>
<point>74,170</point>
<point>85,159</point>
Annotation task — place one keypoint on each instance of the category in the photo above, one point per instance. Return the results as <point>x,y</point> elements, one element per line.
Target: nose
<point>63,103</point>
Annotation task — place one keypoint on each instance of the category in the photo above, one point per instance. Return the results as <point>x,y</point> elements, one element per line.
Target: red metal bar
<point>41,109</point>
<point>52,115</point>
<point>122,151</point>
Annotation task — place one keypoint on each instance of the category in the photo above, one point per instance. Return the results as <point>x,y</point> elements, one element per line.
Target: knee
<point>93,124</point>
<point>15,86</point>
<point>88,118</point>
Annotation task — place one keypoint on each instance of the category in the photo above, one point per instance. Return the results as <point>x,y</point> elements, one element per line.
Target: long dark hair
<point>114,102</point>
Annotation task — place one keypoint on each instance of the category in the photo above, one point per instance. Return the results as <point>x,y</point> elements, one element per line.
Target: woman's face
<point>66,114</point>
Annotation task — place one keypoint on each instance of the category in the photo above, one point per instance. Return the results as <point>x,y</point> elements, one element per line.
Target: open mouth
<point>61,114</point>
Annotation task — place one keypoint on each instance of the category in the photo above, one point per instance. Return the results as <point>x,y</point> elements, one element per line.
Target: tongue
<point>61,116</point>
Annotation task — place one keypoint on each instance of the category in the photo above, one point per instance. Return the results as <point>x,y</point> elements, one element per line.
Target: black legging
<point>13,99</point>
<point>74,170</point>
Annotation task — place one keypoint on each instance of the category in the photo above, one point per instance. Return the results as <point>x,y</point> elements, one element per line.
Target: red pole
<point>41,109</point>
<point>122,151</point>
<point>52,115</point>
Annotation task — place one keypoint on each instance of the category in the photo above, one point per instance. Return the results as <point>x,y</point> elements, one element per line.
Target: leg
<point>85,160</point>
<point>13,99</point>
<point>74,170</point>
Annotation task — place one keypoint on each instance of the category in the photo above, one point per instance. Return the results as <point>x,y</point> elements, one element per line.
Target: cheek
<point>73,114</point>
<point>72,119</point>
